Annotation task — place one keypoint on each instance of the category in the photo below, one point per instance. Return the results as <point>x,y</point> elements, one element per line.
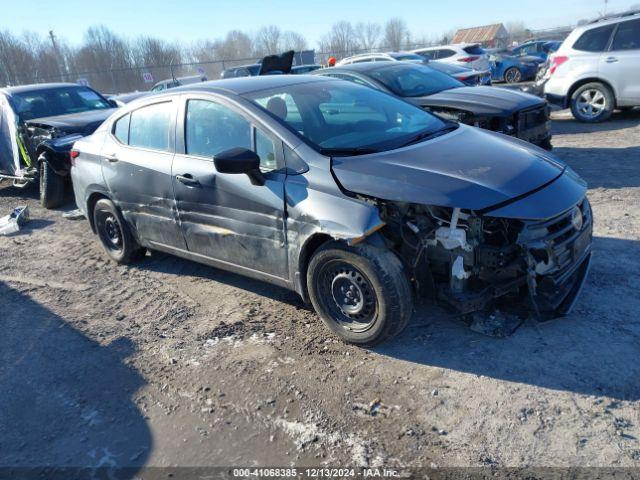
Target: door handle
<point>611,59</point>
<point>188,180</point>
<point>112,158</point>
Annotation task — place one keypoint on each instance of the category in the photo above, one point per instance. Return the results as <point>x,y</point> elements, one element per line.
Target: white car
<point>382,57</point>
<point>597,68</point>
<point>468,54</point>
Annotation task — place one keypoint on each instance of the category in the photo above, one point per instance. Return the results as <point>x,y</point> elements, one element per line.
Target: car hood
<point>489,101</point>
<point>468,168</point>
<point>83,122</point>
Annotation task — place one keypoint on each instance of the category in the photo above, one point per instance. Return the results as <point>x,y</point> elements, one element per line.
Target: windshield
<point>57,101</point>
<point>338,117</point>
<point>414,80</point>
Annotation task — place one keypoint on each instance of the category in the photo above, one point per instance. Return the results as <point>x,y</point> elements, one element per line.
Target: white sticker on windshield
<point>89,95</point>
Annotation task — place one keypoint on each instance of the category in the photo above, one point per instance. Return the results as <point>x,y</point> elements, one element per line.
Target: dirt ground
<point>170,363</point>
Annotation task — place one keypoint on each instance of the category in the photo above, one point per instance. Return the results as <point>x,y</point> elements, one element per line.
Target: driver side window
<point>211,128</point>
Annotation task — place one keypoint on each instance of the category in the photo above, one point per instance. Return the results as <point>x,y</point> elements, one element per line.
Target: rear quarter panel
<point>86,174</point>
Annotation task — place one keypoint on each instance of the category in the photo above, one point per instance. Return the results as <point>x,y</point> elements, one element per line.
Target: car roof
<point>37,86</point>
<point>608,20</point>
<point>366,67</point>
<point>243,85</point>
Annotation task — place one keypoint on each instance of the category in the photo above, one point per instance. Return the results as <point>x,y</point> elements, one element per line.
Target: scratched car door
<point>224,216</point>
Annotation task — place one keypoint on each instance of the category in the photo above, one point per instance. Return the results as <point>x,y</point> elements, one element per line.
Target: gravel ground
<point>172,363</point>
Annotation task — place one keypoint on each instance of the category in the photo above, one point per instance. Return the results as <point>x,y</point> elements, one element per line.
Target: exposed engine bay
<point>478,263</point>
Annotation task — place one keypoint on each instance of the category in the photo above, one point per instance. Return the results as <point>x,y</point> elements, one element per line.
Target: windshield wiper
<point>347,151</point>
<point>429,135</point>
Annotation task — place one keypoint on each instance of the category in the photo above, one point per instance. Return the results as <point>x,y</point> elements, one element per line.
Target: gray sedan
<point>358,201</point>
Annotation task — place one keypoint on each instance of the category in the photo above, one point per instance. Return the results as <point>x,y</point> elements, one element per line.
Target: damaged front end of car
<point>475,263</point>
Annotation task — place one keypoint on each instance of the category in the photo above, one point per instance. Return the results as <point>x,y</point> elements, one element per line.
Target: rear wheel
<point>512,75</point>
<point>51,184</point>
<point>592,103</point>
<point>362,293</point>
<point>114,234</point>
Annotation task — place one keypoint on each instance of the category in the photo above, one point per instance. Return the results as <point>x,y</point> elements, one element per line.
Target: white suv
<point>471,55</point>
<point>597,68</point>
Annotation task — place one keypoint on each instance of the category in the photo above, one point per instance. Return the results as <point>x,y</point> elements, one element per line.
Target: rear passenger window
<point>428,54</point>
<point>627,36</point>
<point>446,53</point>
<point>212,128</point>
<point>121,129</point>
<point>594,40</point>
<point>150,126</point>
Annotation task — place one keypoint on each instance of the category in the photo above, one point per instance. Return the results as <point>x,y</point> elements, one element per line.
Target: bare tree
<point>340,41</point>
<point>236,45</point>
<point>367,35</point>
<point>267,40</point>
<point>152,51</point>
<point>395,33</point>
<point>293,41</point>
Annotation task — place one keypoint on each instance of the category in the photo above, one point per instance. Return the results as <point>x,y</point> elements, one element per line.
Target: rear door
<point>136,163</point>
<point>223,216</point>
<point>621,64</point>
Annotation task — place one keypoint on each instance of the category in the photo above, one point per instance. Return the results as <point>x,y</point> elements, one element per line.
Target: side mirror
<point>240,160</point>
<point>113,103</point>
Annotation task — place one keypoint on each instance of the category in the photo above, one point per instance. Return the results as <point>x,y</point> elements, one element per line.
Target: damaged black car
<point>38,126</point>
<point>501,110</point>
<point>358,201</point>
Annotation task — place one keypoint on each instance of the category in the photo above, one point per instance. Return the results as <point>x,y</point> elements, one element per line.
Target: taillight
<point>468,59</point>
<point>556,61</point>
<point>73,154</point>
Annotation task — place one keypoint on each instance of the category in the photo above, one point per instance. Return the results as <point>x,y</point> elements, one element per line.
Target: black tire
<point>592,103</point>
<point>380,300</point>
<point>114,234</point>
<point>51,184</point>
<point>512,75</point>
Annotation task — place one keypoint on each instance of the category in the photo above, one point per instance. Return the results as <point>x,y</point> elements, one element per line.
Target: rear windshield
<point>594,40</point>
<point>474,50</point>
<point>57,101</point>
<point>335,116</point>
<point>414,80</point>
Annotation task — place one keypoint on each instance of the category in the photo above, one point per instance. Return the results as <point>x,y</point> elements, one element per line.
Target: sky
<point>190,20</point>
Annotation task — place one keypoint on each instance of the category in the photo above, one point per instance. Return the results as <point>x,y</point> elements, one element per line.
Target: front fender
<point>322,211</point>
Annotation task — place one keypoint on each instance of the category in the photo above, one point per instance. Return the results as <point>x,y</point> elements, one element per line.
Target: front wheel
<point>115,236</point>
<point>592,103</point>
<point>51,184</point>
<point>512,75</point>
<point>362,293</point>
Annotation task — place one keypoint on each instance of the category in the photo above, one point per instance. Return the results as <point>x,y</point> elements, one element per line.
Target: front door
<point>136,164</point>
<point>224,216</point>
<point>621,65</point>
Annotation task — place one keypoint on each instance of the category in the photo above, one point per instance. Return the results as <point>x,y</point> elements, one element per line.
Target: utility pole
<point>59,59</point>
